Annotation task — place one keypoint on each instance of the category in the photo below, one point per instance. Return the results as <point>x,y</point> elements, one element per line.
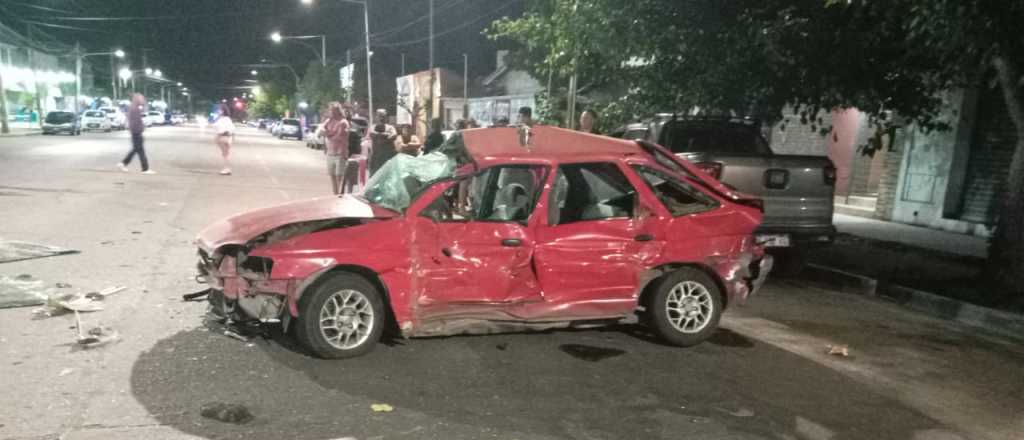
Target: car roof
<point>547,144</point>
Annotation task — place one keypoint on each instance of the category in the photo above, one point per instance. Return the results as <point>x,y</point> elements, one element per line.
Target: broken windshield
<point>396,183</point>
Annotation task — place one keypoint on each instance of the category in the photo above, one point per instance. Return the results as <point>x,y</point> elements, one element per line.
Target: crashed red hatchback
<point>502,229</point>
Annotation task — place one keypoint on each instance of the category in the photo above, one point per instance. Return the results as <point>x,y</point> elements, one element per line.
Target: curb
<point>13,135</point>
<point>1003,323</point>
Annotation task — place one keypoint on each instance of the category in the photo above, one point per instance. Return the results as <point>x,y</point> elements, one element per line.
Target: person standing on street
<point>526,116</point>
<point>382,141</point>
<point>136,127</point>
<point>336,133</point>
<point>407,141</point>
<point>435,138</point>
<point>224,137</point>
<point>588,121</point>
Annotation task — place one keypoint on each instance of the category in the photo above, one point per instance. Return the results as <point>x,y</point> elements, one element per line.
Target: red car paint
<point>446,278</point>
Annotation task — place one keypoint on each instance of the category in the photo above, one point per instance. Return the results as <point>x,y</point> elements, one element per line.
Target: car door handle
<point>511,242</point>
<point>643,237</point>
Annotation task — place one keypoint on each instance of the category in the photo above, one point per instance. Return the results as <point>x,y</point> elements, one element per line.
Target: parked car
<point>153,117</point>
<point>117,118</point>
<point>289,127</point>
<point>264,124</point>
<point>275,128</point>
<point>315,139</point>
<point>797,190</point>
<point>95,120</point>
<point>177,119</point>
<point>57,122</point>
<point>489,234</point>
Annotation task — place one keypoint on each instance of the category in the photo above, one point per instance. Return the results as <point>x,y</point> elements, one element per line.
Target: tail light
<point>714,169</point>
<point>829,173</point>
<point>753,203</point>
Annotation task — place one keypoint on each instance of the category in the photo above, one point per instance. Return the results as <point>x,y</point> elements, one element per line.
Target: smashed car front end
<point>243,283</point>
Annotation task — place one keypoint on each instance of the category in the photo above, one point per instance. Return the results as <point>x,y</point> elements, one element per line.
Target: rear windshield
<point>109,110</point>
<point>95,114</point>
<point>59,117</point>
<point>290,122</point>
<point>723,138</point>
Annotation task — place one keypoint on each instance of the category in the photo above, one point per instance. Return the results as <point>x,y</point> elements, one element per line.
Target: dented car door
<point>592,246</point>
<point>472,243</point>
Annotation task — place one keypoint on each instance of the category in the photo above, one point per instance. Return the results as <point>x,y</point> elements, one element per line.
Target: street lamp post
<point>78,68</point>
<point>369,53</point>
<point>277,38</point>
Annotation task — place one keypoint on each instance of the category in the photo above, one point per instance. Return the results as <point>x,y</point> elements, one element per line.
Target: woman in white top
<point>225,130</point>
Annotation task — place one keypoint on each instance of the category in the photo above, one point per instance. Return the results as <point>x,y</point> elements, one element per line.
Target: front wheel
<point>342,317</point>
<point>685,307</point>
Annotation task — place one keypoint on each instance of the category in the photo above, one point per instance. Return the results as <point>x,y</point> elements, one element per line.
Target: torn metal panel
<point>21,250</point>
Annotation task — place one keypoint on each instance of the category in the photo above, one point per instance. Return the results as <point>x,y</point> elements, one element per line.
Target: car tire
<point>685,307</point>
<point>356,297</point>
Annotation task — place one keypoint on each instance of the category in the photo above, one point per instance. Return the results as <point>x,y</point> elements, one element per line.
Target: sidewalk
<point>949,242</point>
<point>891,257</point>
<point>22,129</point>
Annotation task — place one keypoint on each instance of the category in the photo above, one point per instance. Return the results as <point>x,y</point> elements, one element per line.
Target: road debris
<point>76,302</point>
<point>22,291</point>
<point>63,285</point>
<point>838,350</point>
<point>502,346</point>
<point>94,337</point>
<point>226,412</point>
<point>235,335</point>
<point>65,372</point>
<point>381,407</point>
<point>197,296</point>
<point>20,250</point>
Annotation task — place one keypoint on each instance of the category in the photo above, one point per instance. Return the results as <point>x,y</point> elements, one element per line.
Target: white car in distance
<point>152,118</point>
<point>116,117</point>
<point>95,120</point>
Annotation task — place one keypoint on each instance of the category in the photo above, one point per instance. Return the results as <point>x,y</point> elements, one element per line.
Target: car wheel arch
<point>312,282</point>
<point>647,290</point>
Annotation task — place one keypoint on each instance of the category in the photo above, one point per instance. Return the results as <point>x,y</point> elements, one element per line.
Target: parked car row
<point>104,119</point>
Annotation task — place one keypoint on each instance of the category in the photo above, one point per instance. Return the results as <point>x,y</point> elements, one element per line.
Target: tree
<point>321,85</point>
<point>759,57</point>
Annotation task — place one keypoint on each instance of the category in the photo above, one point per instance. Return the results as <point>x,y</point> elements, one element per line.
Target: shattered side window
<point>396,183</point>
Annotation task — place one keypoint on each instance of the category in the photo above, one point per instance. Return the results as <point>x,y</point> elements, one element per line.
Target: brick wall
<point>889,177</point>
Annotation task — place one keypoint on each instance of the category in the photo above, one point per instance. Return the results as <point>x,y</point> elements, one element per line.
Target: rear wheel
<point>685,307</point>
<point>343,316</point>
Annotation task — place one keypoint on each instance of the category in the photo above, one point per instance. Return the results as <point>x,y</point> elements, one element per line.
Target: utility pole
<point>348,65</point>
<point>4,128</point>
<point>433,77</point>
<point>403,63</point>
<point>369,76</point>
<point>465,86</point>
<point>78,74</point>
<point>323,51</point>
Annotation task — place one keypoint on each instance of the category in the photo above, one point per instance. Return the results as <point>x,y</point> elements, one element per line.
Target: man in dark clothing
<point>435,138</point>
<point>382,137</point>
<point>136,127</point>
<point>526,116</point>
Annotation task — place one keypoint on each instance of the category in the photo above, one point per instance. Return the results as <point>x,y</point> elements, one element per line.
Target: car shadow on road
<point>591,384</point>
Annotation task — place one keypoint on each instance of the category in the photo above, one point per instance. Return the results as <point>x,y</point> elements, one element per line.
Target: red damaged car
<point>501,229</point>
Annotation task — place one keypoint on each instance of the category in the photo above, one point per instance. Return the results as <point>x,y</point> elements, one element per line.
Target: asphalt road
<point>766,375</point>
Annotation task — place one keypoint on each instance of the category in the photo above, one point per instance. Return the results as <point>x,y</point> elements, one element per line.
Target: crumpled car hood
<point>241,228</point>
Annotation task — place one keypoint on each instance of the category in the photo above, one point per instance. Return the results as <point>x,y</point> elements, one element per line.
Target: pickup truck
<point>797,190</point>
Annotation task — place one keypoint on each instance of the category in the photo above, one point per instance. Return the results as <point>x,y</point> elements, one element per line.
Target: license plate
<point>773,240</point>
<point>94,125</point>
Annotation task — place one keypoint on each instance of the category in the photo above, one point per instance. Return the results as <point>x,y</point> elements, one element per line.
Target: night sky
<point>207,43</point>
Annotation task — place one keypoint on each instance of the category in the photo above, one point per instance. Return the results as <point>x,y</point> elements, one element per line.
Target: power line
<point>463,25</point>
<point>61,26</point>
<point>407,25</point>
<point>37,7</point>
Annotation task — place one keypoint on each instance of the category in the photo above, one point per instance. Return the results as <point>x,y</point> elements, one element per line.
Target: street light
<point>158,73</point>
<point>369,75</point>
<point>254,73</point>
<point>179,84</point>
<point>149,71</point>
<point>78,68</point>
<point>277,38</point>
